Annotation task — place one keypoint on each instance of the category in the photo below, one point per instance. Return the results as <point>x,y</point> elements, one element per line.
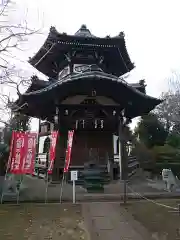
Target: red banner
<point>22,153</point>
<point>18,152</point>
<point>52,151</point>
<point>68,150</point>
<point>10,151</point>
<point>30,154</point>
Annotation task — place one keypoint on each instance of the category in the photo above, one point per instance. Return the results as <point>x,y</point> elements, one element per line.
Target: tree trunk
<point>3,161</point>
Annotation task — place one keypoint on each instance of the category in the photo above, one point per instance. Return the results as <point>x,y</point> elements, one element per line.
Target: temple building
<point>85,92</point>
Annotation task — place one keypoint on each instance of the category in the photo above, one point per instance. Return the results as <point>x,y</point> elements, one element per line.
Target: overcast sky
<point>151,30</point>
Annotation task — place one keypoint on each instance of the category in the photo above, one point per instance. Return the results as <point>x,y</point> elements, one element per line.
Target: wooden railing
<point>133,164</point>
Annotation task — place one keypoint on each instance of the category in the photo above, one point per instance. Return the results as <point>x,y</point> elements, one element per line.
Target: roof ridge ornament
<point>34,78</point>
<point>53,29</point>
<point>83,26</point>
<point>142,82</point>
<point>84,32</point>
<point>122,34</point>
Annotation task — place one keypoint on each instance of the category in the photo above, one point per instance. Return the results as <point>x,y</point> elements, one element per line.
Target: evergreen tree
<point>18,122</point>
<point>173,140</point>
<point>151,131</point>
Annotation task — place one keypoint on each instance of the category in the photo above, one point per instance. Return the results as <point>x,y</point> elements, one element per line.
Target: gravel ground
<point>38,222</point>
<point>161,222</point>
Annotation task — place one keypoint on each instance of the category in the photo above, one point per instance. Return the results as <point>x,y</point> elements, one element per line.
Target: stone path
<point>109,221</point>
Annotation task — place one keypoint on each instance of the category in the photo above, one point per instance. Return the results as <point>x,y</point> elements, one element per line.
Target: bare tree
<point>174,82</point>
<point>11,79</point>
<point>169,110</point>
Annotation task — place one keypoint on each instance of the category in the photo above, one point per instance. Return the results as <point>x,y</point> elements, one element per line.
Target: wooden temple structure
<point>85,92</point>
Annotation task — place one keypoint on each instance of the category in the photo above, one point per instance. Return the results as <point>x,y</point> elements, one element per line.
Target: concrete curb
<point>99,198</point>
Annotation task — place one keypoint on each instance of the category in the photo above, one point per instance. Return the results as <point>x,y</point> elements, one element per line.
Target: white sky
<point>151,30</point>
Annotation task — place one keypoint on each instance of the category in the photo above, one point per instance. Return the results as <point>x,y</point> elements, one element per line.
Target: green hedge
<point>166,157</point>
<point>175,167</point>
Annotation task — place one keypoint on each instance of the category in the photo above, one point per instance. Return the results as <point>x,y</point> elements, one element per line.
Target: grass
<point>160,221</point>
<point>37,222</point>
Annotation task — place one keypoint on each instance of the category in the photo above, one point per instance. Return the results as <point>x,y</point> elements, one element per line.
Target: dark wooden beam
<point>64,107</point>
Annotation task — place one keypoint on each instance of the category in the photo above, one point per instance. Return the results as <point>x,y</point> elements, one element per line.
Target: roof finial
<point>142,82</point>
<point>52,29</point>
<point>83,26</point>
<point>121,34</point>
<point>84,32</point>
<point>34,78</point>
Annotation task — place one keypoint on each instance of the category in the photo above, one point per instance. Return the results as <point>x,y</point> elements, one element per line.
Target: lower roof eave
<point>106,85</point>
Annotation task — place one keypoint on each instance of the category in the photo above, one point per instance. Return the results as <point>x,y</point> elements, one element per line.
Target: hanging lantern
<point>123,112</point>
<point>56,119</point>
<point>124,120</point>
<point>57,110</point>
<point>114,113</point>
<point>56,115</point>
<point>76,124</point>
<point>93,94</point>
<point>95,124</point>
<point>102,123</point>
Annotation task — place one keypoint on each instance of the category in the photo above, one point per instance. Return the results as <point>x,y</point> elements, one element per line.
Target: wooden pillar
<point>71,67</point>
<point>38,140</point>
<point>60,150</point>
<point>123,163</point>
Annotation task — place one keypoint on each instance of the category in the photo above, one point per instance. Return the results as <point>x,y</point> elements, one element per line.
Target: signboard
<point>68,150</point>
<point>74,175</point>
<point>74,178</point>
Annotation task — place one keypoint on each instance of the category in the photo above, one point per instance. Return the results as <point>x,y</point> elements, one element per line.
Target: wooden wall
<point>86,146</point>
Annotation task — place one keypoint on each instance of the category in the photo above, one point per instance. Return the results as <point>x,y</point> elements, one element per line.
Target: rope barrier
<point>150,200</point>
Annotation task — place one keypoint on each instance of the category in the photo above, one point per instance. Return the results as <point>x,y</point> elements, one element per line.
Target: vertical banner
<point>52,151</point>
<point>22,153</point>
<point>68,150</point>
<point>10,151</point>
<point>30,153</point>
<point>18,152</point>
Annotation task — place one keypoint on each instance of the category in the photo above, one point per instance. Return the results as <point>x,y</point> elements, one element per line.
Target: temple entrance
<point>94,155</point>
<point>93,146</point>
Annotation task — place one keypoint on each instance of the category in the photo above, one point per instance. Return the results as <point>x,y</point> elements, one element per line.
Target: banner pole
<point>46,178</point>
<point>74,192</point>
<point>46,192</point>
<point>7,166</point>
<point>61,188</point>
<point>67,160</point>
<point>63,178</point>
<point>4,181</point>
<point>18,194</point>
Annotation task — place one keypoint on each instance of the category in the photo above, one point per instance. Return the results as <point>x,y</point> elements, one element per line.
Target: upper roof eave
<point>54,37</point>
<point>54,34</point>
<point>58,38</point>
